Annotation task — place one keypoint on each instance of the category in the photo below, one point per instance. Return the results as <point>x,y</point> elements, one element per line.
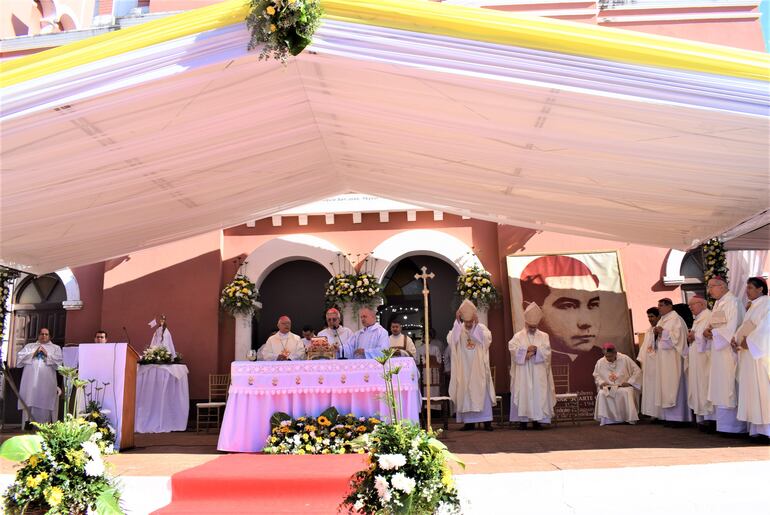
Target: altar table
<point>307,388</point>
<point>162,398</point>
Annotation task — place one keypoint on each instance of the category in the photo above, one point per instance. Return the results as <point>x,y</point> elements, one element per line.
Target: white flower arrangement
<point>360,289</point>
<point>476,285</point>
<point>158,356</point>
<point>240,296</point>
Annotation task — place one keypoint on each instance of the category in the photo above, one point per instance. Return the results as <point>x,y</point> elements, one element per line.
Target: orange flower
<point>323,421</point>
<point>361,429</point>
<point>284,429</point>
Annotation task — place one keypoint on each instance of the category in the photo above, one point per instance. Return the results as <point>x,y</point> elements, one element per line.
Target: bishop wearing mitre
<point>618,382</point>
<point>533,395</point>
<point>471,387</point>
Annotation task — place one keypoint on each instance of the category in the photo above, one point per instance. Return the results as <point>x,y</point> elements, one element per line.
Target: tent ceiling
<point>228,139</point>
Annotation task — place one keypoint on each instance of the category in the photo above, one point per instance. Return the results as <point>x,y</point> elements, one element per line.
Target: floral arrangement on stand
<point>283,26</point>
<point>95,413</point>
<point>159,356</point>
<point>240,296</point>
<point>339,290</point>
<point>359,288</point>
<point>714,262</point>
<point>7,276</point>
<point>62,467</point>
<point>328,433</point>
<point>476,285</point>
<point>408,467</point>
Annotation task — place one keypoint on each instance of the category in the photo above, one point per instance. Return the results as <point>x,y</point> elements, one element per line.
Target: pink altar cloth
<point>306,388</point>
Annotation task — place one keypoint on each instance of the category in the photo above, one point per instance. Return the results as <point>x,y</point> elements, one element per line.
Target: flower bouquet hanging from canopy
<point>476,285</point>
<point>283,27</point>
<point>240,296</point>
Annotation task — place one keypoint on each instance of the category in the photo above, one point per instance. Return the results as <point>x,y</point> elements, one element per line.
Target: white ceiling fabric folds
<point>194,135</point>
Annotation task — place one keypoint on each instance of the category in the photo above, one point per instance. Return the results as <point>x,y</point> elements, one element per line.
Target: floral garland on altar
<point>7,276</point>
<point>714,262</point>
<point>476,285</point>
<point>283,26</point>
<point>240,296</point>
<point>329,433</point>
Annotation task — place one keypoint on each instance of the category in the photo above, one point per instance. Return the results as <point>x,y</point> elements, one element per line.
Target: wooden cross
<point>426,336</point>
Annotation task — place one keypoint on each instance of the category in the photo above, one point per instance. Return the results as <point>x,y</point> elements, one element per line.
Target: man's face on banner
<point>573,316</point>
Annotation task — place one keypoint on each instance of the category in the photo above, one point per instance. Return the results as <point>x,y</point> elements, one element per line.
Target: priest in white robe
<point>335,333</point>
<point>752,342</point>
<point>38,388</point>
<point>671,383</point>
<point>471,387</point>
<point>618,383</point>
<point>698,364</point>
<point>162,336</point>
<point>533,395</point>
<point>371,340</point>
<point>648,358</point>
<point>283,345</point>
<point>726,317</point>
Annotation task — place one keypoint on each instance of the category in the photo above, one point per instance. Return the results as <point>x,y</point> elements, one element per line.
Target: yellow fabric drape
<point>419,16</point>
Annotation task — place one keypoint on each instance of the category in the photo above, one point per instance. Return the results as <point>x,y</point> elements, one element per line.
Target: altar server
<point>752,342</point>
<point>40,360</point>
<point>726,317</point>
<point>533,395</point>
<point>400,341</point>
<point>283,345</point>
<point>618,381</point>
<point>336,333</point>
<point>648,359</point>
<point>670,380</point>
<point>698,363</point>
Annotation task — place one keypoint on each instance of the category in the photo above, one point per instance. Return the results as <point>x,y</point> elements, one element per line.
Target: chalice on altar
<point>252,355</point>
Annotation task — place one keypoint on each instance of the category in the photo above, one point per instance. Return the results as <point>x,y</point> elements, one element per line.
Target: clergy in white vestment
<point>618,381</point>
<point>698,362</point>
<point>400,341</point>
<point>371,340</point>
<point>38,388</point>
<point>162,336</point>
<point>470,386</point>
<point>726,317</point>
<point>648,357</point>
<point>752,342</point>
<point>283,345</point>
<point>336,333</point>
<point>533,395</point>
<point>671,383</point>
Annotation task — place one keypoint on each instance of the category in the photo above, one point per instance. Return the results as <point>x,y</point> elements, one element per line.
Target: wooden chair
<point>436,378</point>
<point>498,398</point>
<point>208,412</point>
<point>563,394</point>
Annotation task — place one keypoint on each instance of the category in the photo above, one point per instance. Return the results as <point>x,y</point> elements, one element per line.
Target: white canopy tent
<point>193,134</point>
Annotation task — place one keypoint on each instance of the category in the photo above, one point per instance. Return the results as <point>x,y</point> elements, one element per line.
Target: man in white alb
<point>38,388</point>
<point>726,317</point>
<point>400,341</point>
<point>335,333</point>
<point>618,381</point>
<point>698,365</point>
<point>648,358</point>
<point>471,387</point>
<point>283,345</point>
<point>533,395</point>
<point>671,383</point>
<point>371,340</point>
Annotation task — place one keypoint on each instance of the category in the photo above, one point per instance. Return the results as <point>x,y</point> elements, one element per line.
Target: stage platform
<point>574,467</point>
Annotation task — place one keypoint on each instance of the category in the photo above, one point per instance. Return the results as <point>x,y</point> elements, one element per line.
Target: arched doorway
<point>37,303</point>
<point>404,298</point>
<point>295,288</point>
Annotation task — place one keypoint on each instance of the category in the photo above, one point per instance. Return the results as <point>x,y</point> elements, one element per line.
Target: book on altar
<point>744,330</point>
<point>718,318</point>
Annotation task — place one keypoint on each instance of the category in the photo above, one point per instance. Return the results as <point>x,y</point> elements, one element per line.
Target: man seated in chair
<point>283,345</point>
<point>618,382</point>
<point>533,395</point>
<point>400,341</point>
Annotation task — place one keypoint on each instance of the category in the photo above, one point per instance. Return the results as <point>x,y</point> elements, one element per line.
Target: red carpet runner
<point>257,483</point>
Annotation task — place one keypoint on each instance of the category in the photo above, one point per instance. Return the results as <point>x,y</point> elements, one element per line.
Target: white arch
<point>73,302</point>
<point>272,254</point>
<point>423,241</point>
<point>674,268</point>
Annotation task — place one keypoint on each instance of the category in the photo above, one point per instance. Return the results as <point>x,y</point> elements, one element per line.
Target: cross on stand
<point>426,335</point>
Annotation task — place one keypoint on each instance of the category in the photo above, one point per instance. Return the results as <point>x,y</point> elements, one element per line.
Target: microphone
<point>128,338</point>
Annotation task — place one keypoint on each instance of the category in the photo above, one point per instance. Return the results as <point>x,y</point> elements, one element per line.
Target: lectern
<point>116,364</point>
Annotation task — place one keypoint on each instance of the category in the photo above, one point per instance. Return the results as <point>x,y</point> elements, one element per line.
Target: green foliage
<point>714,262</point>
<point>476,285</point>
<point>360,289</point>
<point>19,448</point>
<point>282,27</point>
<point>240,296</point>
<point>159,356</point>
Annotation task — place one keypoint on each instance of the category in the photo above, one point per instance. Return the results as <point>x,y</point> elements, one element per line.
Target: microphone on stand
<point>128,341</point>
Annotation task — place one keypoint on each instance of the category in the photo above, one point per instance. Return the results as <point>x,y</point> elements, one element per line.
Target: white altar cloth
<point>162,398</point>
<point>299,388</point>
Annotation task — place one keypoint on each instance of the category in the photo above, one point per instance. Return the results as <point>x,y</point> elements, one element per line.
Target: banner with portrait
<point>584,306</point>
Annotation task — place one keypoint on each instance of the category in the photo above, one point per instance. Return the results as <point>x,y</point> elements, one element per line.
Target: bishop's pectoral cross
<point>426,336</point>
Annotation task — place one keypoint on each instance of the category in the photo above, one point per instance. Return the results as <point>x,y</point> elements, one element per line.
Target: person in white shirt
<point>726,317</point>
<point>283,345</point>
<point>698,365</point>
<point>400,341</point>
<point>307,335</point>
<point>335,333</point>
<point>371,340</point>
<point>38,388</point>
<point>533,395</point>
<point>100,336</point>
<point>752,343</point>
<point>162,336</point>
<point>618,381</point>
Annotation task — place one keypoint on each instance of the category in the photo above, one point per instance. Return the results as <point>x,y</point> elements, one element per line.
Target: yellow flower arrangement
<point>54,495</point>
<point>323,421</point>
<point>240,296</point>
